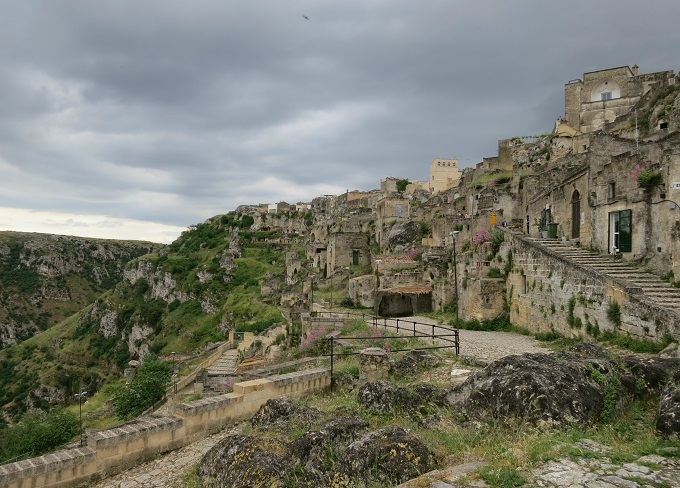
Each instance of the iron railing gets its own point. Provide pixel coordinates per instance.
(451, 337)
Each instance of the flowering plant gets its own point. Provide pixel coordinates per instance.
(645, 175)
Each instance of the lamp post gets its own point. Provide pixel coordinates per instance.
(80, 396)
(377, 286)
(174, 374)
(455, 270)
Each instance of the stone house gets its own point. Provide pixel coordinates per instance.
(444, 174)
(605, 94)
(347, 249)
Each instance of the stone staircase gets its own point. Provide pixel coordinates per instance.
(655, 289)
(221, 369)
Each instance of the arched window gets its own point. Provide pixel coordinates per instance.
(606, 90)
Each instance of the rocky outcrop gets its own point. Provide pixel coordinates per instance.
(385, 397)
(414, 362)
(339, 452)
(668, 413)
(47, 278)
(579, 386)
(404, 236)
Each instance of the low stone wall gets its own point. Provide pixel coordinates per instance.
(115, 450)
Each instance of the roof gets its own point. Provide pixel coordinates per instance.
(411, 289)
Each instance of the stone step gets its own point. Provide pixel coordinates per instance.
(226, 365)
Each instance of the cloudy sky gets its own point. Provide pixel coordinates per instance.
(137, 118)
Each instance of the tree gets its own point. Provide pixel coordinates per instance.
(147, 387)
(402, 184)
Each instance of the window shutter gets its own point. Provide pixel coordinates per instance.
(626, 231)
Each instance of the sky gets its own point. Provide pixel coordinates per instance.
(134, 119)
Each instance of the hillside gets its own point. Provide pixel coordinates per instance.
(46, 278)
(179, 298)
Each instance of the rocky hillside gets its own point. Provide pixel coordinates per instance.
(178, 298)
(45, 278)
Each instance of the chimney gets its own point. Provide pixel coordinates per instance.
(635, 69)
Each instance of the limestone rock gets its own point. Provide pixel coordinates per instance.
(576, 386)
(280, 412)
(404, 236)
(384, 397)
(244, 460)
(414, 362)
(668, 413)
(534, 387)
(391, 455)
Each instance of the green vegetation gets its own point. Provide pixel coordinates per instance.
(37, 434)
(402, 184)
(614, 313)
(147, 387)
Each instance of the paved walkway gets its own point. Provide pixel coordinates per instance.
(484, 347)
(166, 471)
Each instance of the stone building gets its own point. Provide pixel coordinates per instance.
(347, 249)
(605, 94)
(444, 174)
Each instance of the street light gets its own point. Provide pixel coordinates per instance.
(377, 286)
(80, 396)
(174, 374)
(453, 234)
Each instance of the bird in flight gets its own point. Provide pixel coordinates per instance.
(306, 18)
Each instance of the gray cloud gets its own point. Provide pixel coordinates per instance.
(173, 111)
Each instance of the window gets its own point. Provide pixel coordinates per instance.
(663, 125)
(355, 257)
(611, 190)
(606, 95)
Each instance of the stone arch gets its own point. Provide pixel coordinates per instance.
(600, 91)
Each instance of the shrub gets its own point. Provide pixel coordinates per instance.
(614, 313)
(147, 387)
(495, 273)
(38, 433)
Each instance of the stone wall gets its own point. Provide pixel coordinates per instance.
(115, 450)
(482, 298)
(547, 292)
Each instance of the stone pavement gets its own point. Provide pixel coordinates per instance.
(167, 470)
(594, 470)
(479, 346)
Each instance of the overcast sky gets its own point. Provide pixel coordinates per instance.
(137, 118)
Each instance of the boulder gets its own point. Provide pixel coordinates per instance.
(244, 460)
(282, 412)
(537, 388)
(384, 397)
(668, 412)
(581, 385)
(390, 456)
(413, 363)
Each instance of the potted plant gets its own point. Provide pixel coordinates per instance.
(539, 227)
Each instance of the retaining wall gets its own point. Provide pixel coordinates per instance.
(547, 292)
(115, 450)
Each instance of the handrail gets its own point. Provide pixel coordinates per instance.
(452, 343)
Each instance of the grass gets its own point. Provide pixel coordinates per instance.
(511, 449)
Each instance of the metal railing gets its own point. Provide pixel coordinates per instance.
(407, 328)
